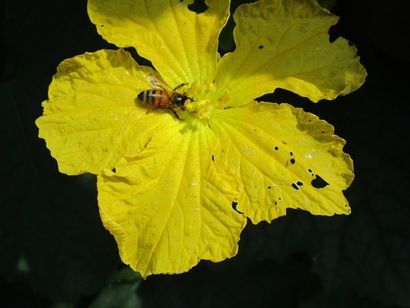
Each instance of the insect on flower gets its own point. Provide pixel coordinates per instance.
(160, 97)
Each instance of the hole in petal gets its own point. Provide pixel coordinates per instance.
(318, 182)
(199, 6)
(234, 205)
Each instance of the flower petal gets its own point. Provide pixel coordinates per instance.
(171, 205)
(285, 44)
(92, 117)
(181, 44)
(286, 158)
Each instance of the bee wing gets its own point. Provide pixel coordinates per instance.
(156, 83)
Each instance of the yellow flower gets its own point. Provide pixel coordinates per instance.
(175, 191)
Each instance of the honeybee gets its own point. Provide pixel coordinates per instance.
(160, 97)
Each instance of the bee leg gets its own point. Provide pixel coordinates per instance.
(175, 113)
(181, 85)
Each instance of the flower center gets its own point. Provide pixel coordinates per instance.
(206, 97)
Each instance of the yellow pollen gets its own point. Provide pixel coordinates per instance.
(205, 98)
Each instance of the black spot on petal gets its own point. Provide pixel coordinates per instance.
(318, 182)
(213, 157)
(260, 46)
(299, 183)
(292, 161)
(276, 148)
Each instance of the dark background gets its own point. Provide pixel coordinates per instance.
(54, 251)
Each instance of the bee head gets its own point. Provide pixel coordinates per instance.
(179, 99)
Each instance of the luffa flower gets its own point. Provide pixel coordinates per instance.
(175, 191)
